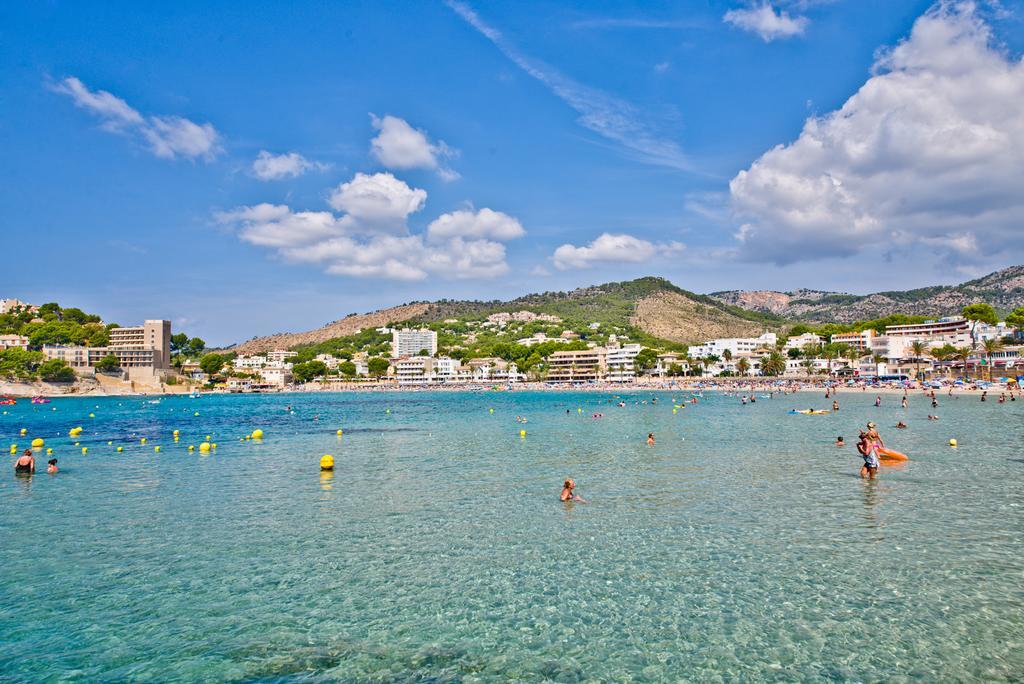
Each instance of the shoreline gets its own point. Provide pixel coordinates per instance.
(29, 390)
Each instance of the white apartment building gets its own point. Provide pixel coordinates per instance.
(802, 341)
(280, 355)
(953, 325)
(861, 341)
(410, 342)
(737, 346)
(620, 363)
(414, 370)
(798, 367)
(13, 342)
(253, 362)
(669, 359)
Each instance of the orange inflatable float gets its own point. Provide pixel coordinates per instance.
(890, 455)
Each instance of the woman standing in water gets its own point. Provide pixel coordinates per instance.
(567, 494)
(26, 465)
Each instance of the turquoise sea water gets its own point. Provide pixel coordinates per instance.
(741, 546)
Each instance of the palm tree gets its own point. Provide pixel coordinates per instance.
(773, 364)
(829, 353)
(991, 346)
(940, 354)
(808, 365)
(710, 360)
(727, 355)
(963, 354)
(878, 359)
(918, 348)
(742, 366)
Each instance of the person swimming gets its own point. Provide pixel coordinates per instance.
(51, 465)
(650, 439)
(840, 441)
(26, 464)
(567, 491)
(901, 425)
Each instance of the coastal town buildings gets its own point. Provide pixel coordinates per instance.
(13, 342)
(280, 355)
(588, 365)
(143, 351)
(736, 346)
(803, 341)
(860, 340)
(9, 305)
(410, 342)
(620, 363)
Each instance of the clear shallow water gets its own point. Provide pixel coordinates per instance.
(743, 545)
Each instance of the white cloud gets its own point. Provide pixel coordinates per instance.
(168, 137)
(400, 146)
(268, 167)
(766, 21)
(377, 204)
(372, 239)
(612, 248)
(485, 223)
(609, 117)
(929, 152)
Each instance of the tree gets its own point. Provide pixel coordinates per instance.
(979, 312)
(179, 342)
(829, 353)
(808, 364)
(879, 360)
(645, 361)
(55, 370)
(918, 348)
(727, 355)
(773, 364)
(710, 360)
(962, 354)
(377, 366)
(347, 368)
(942, 354)
(19, 364)
(991, 346)
(1016, 319)
(196, 345)
(742, 366)
(108, 363)
(304, 372)
(211, 363)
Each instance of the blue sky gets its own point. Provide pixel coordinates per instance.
(244, 170)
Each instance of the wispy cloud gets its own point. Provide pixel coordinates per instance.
(168, 137)
(604, 114)
(634, 23)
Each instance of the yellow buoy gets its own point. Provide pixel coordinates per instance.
(207, 438)
(257, 434)
(176, 440)
(143, 440)
(14, 448)
(49, 451)
(156, 449)
(38, 443)
(213, 446)
(522, 433)
(110, 444)
(120, 449)
(191, 447)
(491, 410)
(579, 410)
(92, 415)
(196, 413)
(78, 443)
(85, 450)
(952, 443)
(326, 462)
(675, 410)
(175, 433)
(339, 433)
(204, 447)
(23, 432)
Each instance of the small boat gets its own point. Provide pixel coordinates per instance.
(40, 400)
(8, 401)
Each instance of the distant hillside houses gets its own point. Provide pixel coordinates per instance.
(907, 350)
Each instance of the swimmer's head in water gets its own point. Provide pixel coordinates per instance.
(52, 461)
(569, 484)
